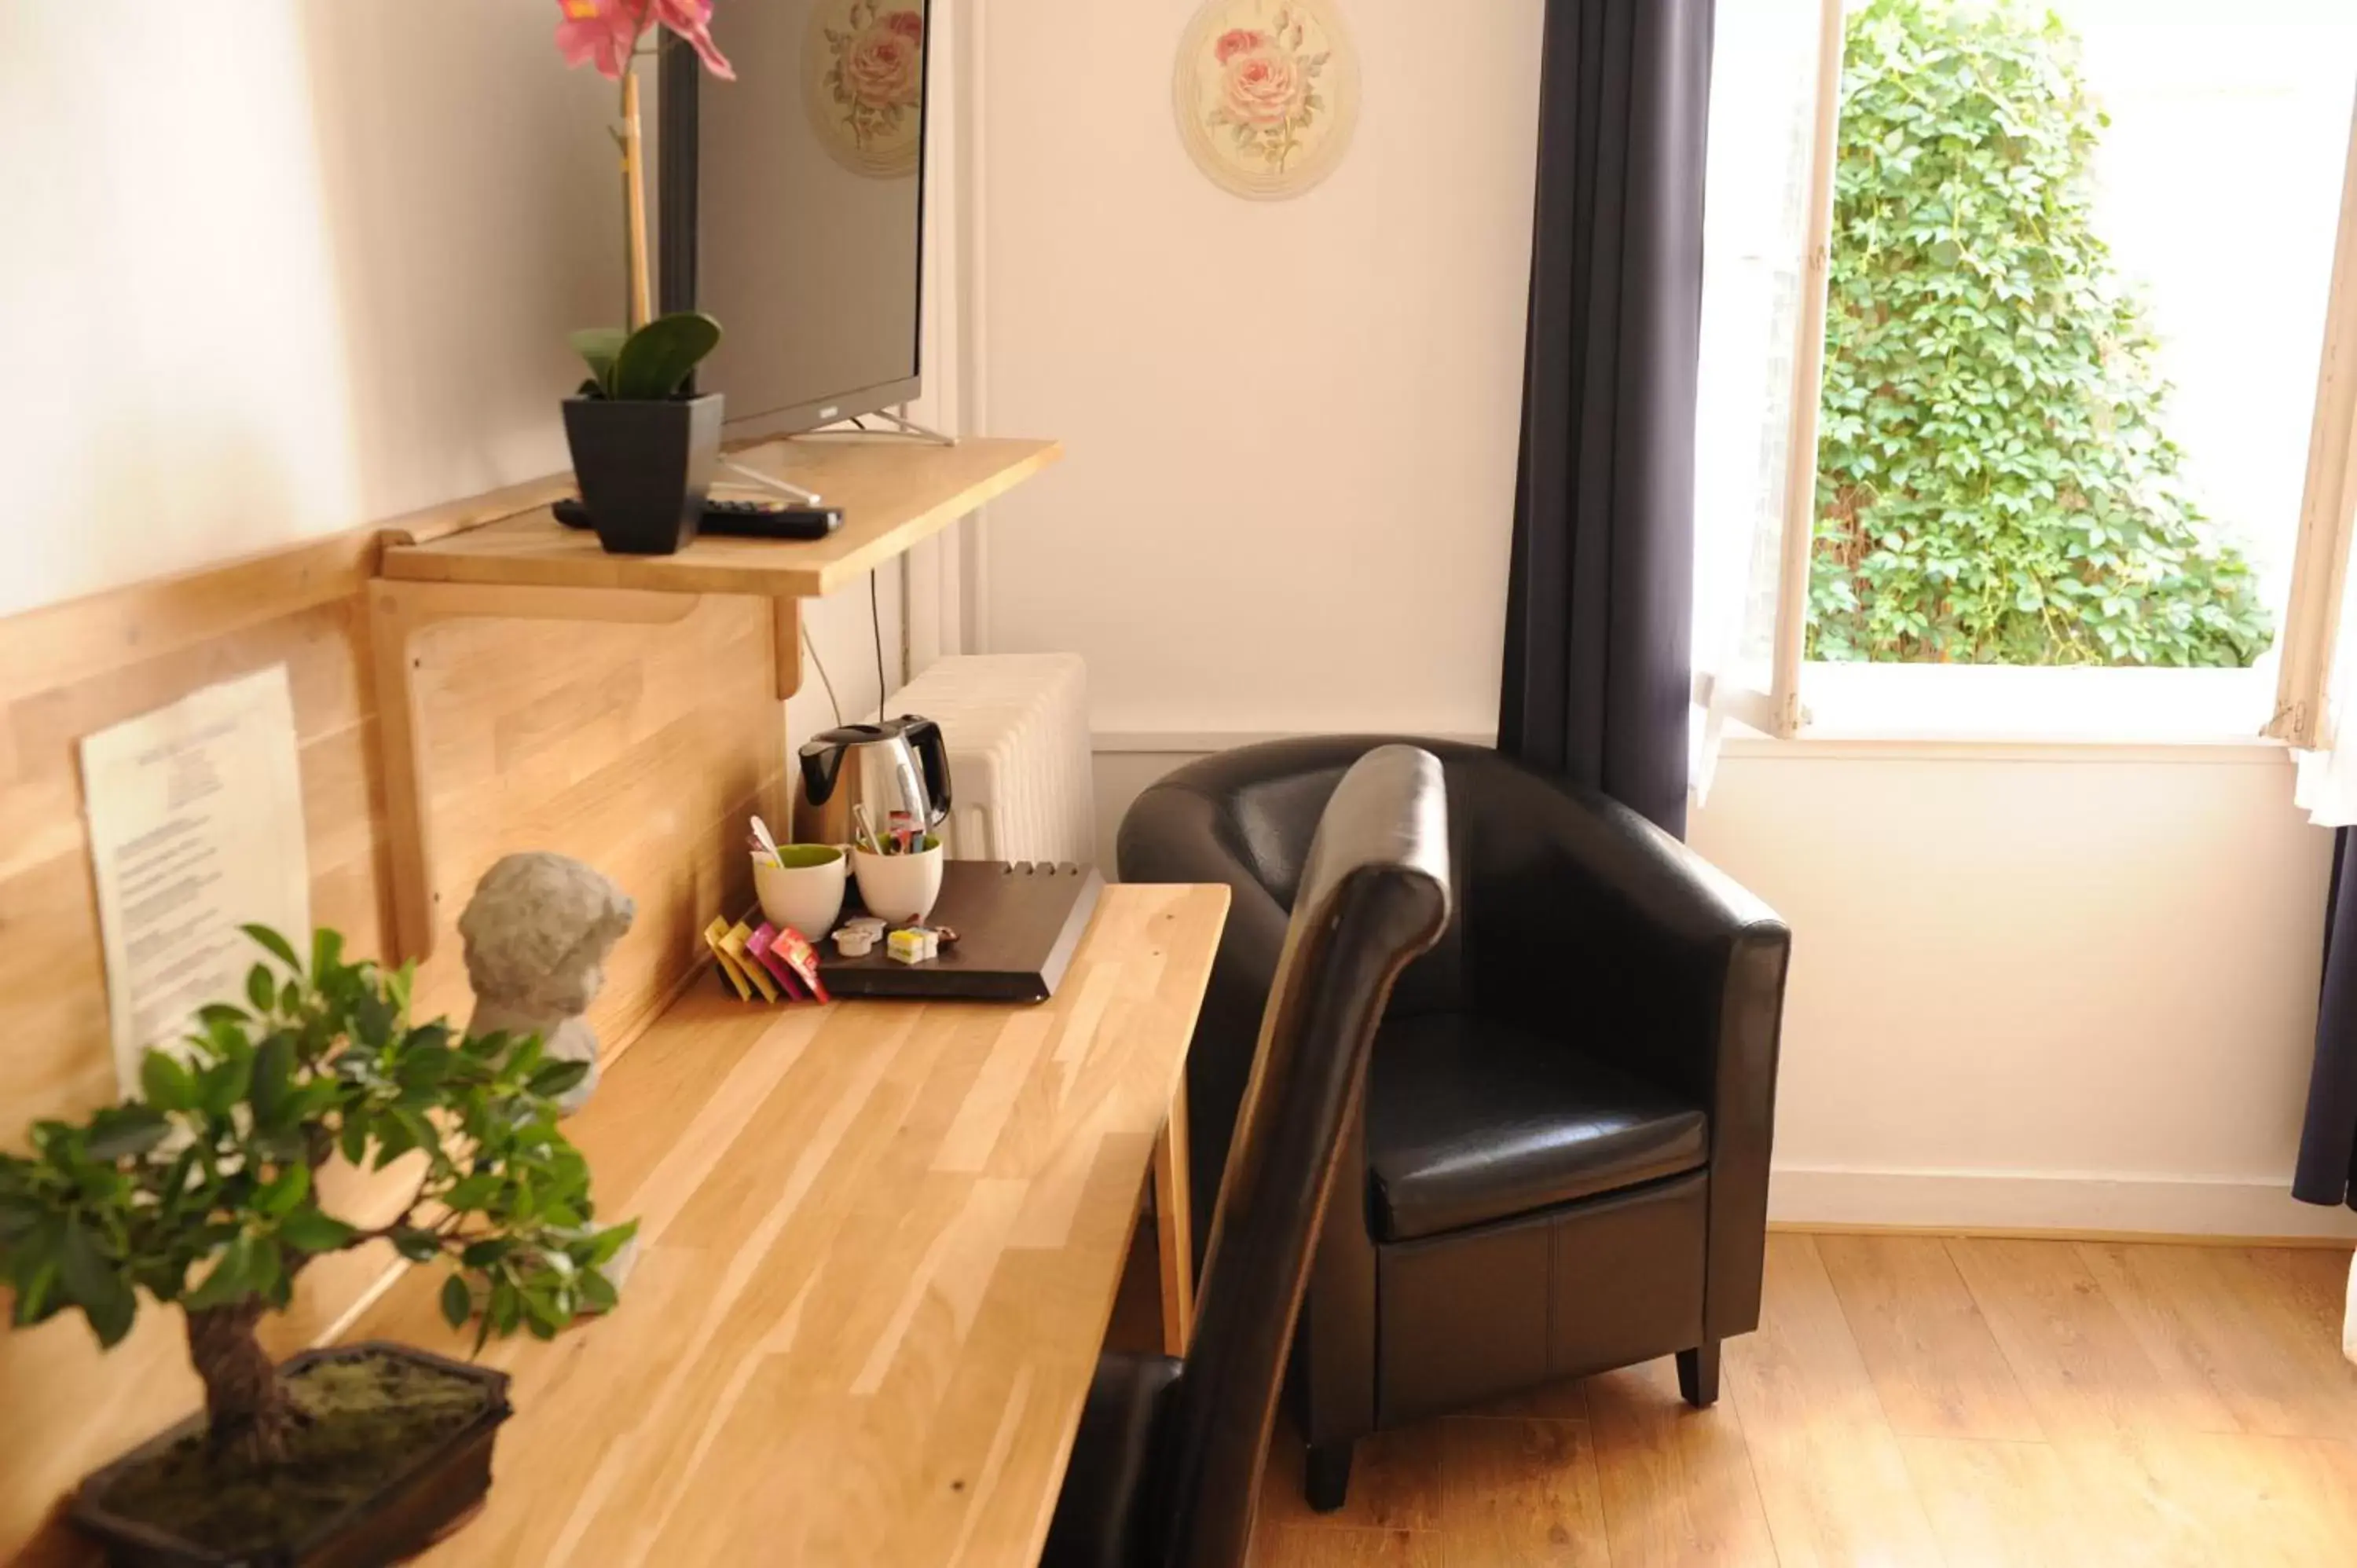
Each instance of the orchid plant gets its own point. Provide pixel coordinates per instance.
(607, 34)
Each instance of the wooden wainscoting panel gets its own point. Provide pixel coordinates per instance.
(52, 983)
(638, 749)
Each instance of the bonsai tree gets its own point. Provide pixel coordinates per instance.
(203, 1190)
(1994, 484)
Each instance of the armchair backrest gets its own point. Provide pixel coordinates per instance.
(1373, 894)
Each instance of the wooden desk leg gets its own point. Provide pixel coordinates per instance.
(1174, 1229)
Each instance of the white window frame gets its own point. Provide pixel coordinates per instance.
(2053, 703)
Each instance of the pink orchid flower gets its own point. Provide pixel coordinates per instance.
(605, 32)
(602, 32)
(692, 20)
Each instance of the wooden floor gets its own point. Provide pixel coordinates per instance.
(1909, 1400)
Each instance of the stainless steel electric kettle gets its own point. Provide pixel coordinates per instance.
(899, 765)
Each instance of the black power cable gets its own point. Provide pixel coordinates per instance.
(875, 625)
(875, 617)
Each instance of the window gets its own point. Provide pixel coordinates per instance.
(2011, 328)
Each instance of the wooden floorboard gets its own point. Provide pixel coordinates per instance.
(1907, 1400)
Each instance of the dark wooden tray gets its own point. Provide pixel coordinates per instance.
(1016, 925)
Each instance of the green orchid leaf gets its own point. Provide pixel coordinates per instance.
(600, 347)
(657, 359)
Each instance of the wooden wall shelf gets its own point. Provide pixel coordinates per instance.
(894, 493)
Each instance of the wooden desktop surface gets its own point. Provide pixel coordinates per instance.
(894, 493)
(881, 1242)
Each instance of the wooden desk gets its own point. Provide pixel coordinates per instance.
(881, 1245)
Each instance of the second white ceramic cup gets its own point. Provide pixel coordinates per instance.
(899, 887)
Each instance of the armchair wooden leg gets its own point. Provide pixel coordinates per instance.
(1698, 1374)
(1326, 1477)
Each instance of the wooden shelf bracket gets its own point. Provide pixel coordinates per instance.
(398, 611)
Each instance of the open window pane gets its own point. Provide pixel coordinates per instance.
(2080, 260)
(1763, 113)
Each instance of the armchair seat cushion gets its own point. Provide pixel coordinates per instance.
(1471, 1119)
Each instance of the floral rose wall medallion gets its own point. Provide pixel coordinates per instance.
(862, 79)
(1267, 94)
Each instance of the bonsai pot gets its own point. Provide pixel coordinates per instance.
(644, 467)
(355, 1495)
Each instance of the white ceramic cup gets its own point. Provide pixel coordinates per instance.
(899, 887)
(807, 893)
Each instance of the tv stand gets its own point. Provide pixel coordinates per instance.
(897, 425)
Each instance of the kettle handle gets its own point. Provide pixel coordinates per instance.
(821, 763)
(925, 736)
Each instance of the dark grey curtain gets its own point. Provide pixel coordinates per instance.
(1599, 640)
(2328, 1143)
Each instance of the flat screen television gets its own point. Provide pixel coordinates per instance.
(792, 204)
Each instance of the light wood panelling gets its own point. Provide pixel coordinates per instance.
(638, 749)
(858, 1332)
(1801, 1464)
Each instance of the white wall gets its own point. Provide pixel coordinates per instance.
(296, 274)
(1291, 425)
(285, 276)
(2036, 987)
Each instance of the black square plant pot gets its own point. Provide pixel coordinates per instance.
(411, 1510)
(644, 469)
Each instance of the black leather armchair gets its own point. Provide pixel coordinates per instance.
(1562, 1164)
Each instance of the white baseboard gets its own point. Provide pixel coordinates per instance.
(1934, 1200)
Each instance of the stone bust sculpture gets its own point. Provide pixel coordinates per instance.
(536, 933)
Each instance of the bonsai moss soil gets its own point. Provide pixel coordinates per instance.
(373, 1420)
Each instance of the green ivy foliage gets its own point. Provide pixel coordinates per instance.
(202, 1189)
(1994, 485)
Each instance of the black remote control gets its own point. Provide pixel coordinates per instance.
(769, 520)
(738, 519)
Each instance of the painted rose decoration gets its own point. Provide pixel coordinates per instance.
(864, 76)
(1267, 94)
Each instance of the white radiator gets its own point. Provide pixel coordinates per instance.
(1016, 726)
